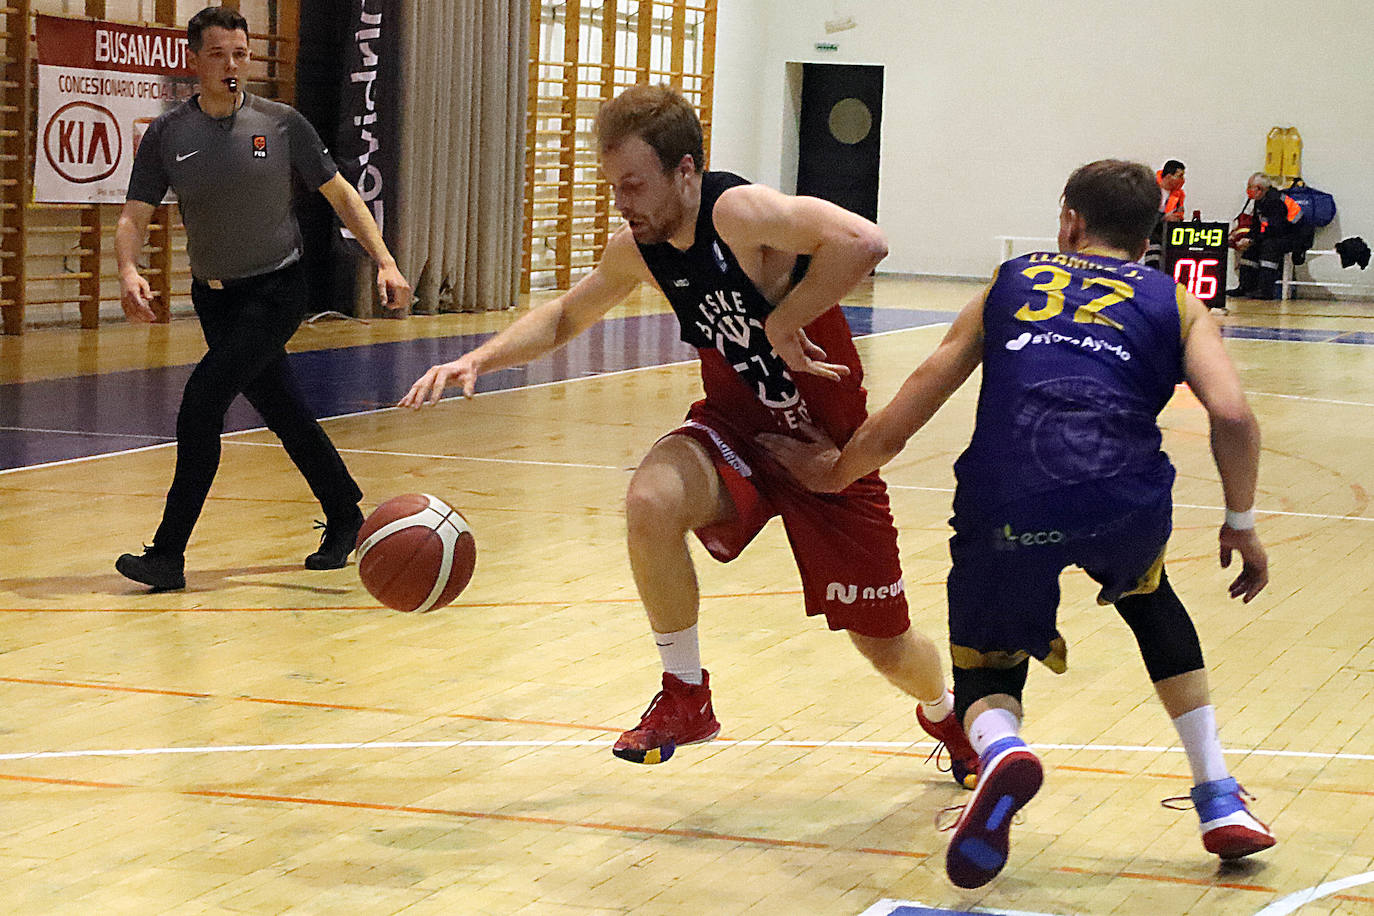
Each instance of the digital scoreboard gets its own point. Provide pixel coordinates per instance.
(1195, 254)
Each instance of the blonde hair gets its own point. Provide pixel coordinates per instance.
(658, 115)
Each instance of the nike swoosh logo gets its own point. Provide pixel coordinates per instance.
(182, 157)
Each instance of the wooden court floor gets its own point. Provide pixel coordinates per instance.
(270, 740)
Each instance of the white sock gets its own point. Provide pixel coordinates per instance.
(992, 726)
(939, 710)
(1197, 729)
(681, 654)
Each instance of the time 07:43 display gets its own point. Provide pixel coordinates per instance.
(1186, 236)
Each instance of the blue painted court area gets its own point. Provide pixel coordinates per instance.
(66, 418)
(61, 419)
(911, 908)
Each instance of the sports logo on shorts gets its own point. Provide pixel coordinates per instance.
(259, 146)
(847, 593)
(1010, 539)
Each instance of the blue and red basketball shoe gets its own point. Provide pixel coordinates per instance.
(680, 714)
(1010, 777)
(1229, 829)
(963, 759)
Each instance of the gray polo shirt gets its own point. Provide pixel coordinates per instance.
(232, 177)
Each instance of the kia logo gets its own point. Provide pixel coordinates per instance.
(83, 142)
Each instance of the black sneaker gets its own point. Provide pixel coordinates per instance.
(336, 544)
(163, 571)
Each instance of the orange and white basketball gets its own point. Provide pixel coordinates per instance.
(416, 553)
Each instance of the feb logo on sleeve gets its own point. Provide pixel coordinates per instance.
(259, 146)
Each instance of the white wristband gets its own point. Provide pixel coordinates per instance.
(1240, 521)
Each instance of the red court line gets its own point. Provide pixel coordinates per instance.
(1065, 766)
(1353, 897)
(441, 715)
(303, 703)
(628, 599)
(304, 800)
(1168, 879)
(113, 687)
(53, 781)
(1343, 791)
(183, 610)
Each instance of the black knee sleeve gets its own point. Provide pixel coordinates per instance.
(1163, 630)
(972, 684)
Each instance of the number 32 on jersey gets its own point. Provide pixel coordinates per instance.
(1054, 280)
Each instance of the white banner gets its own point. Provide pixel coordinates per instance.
(100, 84)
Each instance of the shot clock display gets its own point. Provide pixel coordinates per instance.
(1196, 255)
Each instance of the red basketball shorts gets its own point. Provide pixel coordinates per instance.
(844, 544)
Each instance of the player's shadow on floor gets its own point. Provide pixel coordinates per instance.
(198, 579)
(1247, 867)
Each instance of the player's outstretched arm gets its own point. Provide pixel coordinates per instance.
(1235, 438)
(844, 249)
(542, 329)
(818, 465)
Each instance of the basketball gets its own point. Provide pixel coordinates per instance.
(416, 553)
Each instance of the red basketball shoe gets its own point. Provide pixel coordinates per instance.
(680, 714)
(963, 759)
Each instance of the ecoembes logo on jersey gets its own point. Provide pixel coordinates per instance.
(82, 142)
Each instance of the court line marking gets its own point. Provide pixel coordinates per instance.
(1303, 397)
(878, 746)
(890, 486)
(78, 432)
(1167, 879)
(1258, 510)
(602, 743)
(687, 833)
(537, 385)
(1303, 897)
(634, 829)
(342, 416)
(389, 454)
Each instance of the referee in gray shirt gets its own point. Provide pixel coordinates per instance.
(230, 157)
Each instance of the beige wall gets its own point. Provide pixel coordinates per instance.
(989, 105)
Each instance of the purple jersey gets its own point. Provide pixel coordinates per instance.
(1080, 354)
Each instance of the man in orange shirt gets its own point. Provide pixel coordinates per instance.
(1171, 195)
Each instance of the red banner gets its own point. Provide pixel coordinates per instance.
(88, 44)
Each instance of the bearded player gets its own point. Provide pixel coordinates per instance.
(753, 276)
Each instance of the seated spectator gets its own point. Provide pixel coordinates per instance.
(1273, 232)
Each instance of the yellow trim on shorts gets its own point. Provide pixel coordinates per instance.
(1146, 584)
(1057, 660)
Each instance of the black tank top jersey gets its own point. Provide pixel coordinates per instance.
(721, 312)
